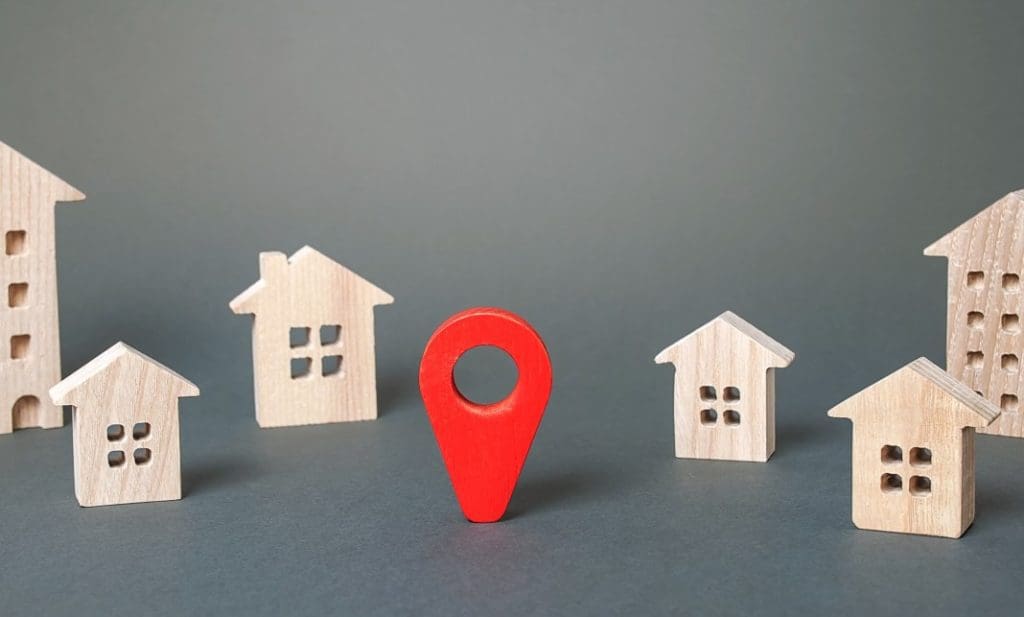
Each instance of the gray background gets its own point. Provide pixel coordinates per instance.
(616, 172)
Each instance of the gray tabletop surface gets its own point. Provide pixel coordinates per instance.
(616, 172)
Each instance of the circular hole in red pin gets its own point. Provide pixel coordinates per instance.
(485, 374)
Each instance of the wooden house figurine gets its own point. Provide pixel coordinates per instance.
(725, 390)
(313, 340)
(126, 444)
(913, 451)
(984, 338)
(29, 332)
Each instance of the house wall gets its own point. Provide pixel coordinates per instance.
(985, 322)
(878, 504)
(97, 483)
(29, 332)
(313, 399)
(718, 358)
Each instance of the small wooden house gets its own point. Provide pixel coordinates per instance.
(913, 451)
(984, 338)
(313, 340)
(725, 390)
(29, 329)
(126, 444)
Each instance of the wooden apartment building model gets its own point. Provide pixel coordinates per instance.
(984, 341)
(29, 330)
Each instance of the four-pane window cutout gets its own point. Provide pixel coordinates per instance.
(709, 394)
(140, 456)
(15, 242)
(306, 341)
(975, 279)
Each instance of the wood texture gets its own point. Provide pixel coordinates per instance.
(984, 338)
(484, 446)
(29, 330)
(913, 451)
(725, 390)
(313, 340)
(126, 444)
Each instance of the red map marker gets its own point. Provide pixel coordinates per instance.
(484, 446)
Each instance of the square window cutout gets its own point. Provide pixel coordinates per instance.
(975, 320)
(731, 394)
(115, 432)
(708, 393)
(17, 295)
(920, 486)
(1010, 323)
(330, 366)
(115, 458)
(1010, 362)
(975, 360)
(330, 335)
(708, 417)
(142, 456)
(975, 279)
(1009, 402)
(15, 241)
(19, 346)
(892, 454)
(298, 337)
(1011, 283)
(891, 483)
(301, 367)
(140, 431)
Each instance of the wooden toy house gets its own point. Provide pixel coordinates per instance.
(30, 359)
(725, 390)
(913, 451)
(984, 342)
(126, 444)
(313, 340)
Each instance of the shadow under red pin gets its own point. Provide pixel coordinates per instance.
(484, 446)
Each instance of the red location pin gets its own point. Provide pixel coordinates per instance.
(484, 446)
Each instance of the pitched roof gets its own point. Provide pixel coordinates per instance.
(782, 354)
(306, 257)
(101, 363)
(18, 164)
(981, 410)
(941, 247)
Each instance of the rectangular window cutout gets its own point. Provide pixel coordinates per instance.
(892, 454)
(708, 417)
(920, 457)
(298, 337)
(17, 295)
(976, 320)
(15, 242)
(920, 486)
(892, 483)
(330, 366)
(975, 279)
(19, 346)
(300, 367)
(330, 335)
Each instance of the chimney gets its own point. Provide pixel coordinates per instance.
(272, 266)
